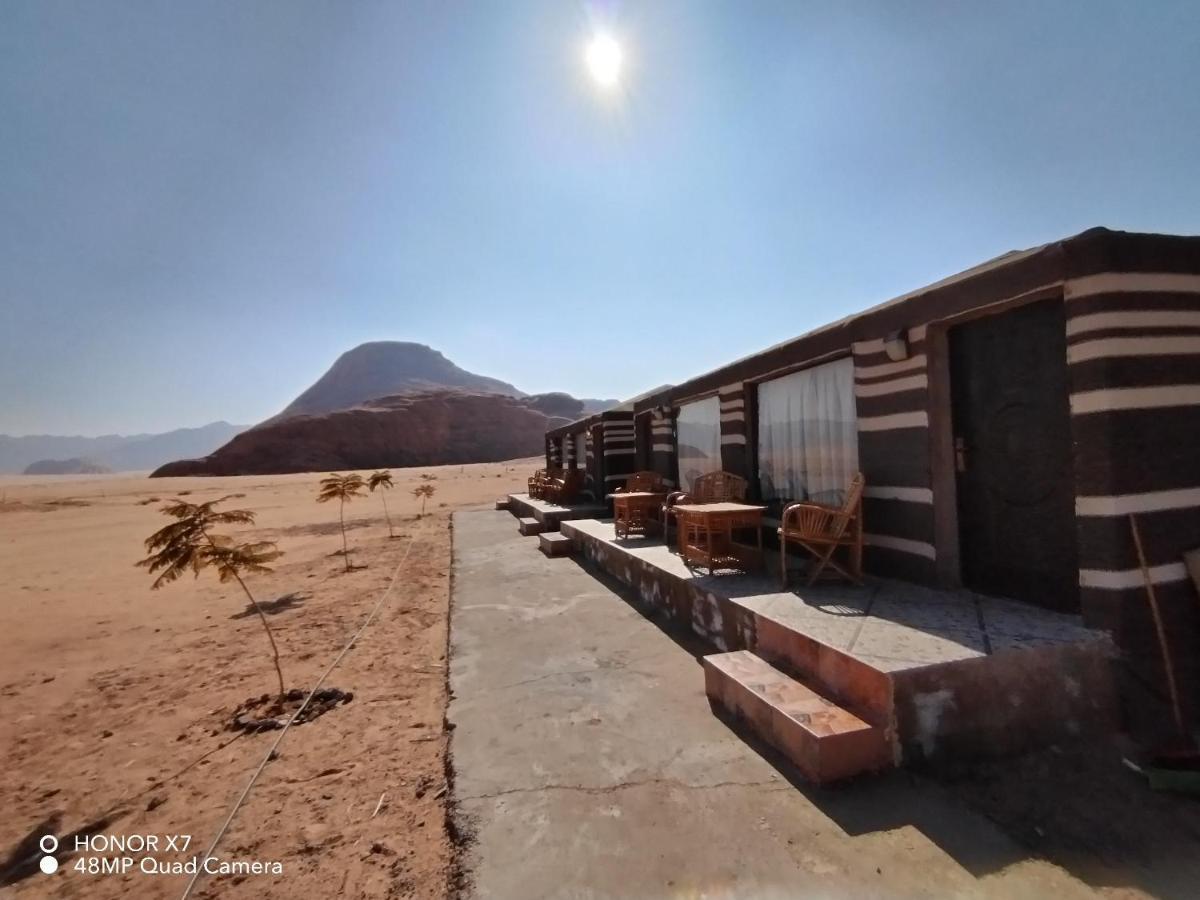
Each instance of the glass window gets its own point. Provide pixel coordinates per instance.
(808, 434)
(698, 437)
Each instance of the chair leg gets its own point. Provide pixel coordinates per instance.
(823, 560)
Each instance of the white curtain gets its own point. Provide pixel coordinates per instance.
(581, 450)
(698, 438)
(808, 434)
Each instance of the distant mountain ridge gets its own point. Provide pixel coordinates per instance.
(120, 453)
(74, 466)
(418, 428)
(392, 368)
(383, 369)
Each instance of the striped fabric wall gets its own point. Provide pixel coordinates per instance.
(618, 447)
(735, 443)
(568, 444)
(1133, 353)
(894, 456)
(662, 445)
(554, 453)
(589, 464)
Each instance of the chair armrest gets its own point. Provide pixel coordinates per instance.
(796, 507)
(809, 518)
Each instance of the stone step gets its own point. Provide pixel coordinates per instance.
(823, 740)
(529, 526)
(843, 678)
(503, 503)
(554, 543)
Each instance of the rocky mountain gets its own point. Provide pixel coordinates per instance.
(594, 406)
(115, 452)
(75, 466)
(387, 368)
(439, 427)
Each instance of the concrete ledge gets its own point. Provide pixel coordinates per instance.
(502, 503)
(529, 526)
(549, 515)
(946, 674)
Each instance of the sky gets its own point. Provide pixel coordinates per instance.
(203, 204)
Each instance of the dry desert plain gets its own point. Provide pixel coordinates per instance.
(110, 689)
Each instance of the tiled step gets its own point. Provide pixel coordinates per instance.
(554, 544)
(529, 526)
(823, 740)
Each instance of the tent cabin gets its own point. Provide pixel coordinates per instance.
(604, 445)
(1007, 419)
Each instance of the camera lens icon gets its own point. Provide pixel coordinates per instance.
(48, 864)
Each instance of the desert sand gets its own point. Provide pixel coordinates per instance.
(110, 689)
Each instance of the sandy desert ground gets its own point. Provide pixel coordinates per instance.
(110, 689)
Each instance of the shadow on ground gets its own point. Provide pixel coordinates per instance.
(274, 607)
(1076, 806)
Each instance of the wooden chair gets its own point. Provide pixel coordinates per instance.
(714, 487)
(563, 486)
(822, 529)
(535, 483)
(651, 482)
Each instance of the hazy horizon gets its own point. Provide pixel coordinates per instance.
(204, 205)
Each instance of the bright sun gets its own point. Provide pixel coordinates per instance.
(604, 60)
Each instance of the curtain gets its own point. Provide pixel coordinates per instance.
(698, 438)
(581, 450)
(808, 434)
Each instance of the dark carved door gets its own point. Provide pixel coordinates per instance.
(1012, 433)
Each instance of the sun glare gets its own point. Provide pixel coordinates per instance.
(604, 60)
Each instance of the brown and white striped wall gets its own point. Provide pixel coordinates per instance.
(662, 444)
(735, 442)
(617, 446)
(1133, 353)
(893, 404)
(589, 464)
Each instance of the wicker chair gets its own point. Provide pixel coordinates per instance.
(822, 529)
(537, 482)
(650, 482)
(562, 486)
(714, 487)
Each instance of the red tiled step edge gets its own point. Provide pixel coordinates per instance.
(823, 740)
(529, 526)
(554, 544)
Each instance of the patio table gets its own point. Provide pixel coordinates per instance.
(633, 512)
(706, 535)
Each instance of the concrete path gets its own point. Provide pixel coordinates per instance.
(588, 763)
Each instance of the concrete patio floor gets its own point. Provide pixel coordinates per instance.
(891, 625)
(588, 763)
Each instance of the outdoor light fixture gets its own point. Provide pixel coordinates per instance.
(895, 345)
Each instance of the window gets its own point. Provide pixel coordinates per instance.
(808, 434)
(698, 436)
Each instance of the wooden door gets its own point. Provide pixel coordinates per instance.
(1012, 438)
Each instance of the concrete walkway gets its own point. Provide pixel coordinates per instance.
(588, 763)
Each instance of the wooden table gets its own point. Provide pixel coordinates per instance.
(706, 535)
(633, 512)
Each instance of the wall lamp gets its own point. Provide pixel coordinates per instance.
(895, 345)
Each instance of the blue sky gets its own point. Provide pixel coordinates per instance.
(203, 204)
